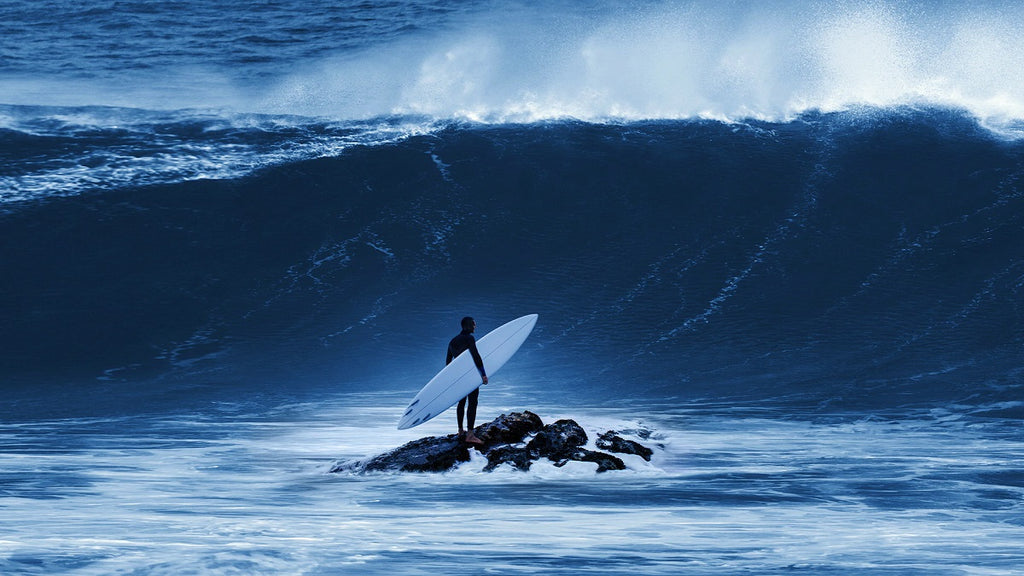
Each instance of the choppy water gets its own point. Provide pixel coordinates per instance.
(728, 491)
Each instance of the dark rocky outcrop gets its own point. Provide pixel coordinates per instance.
(432, 454)
(612, 442)
(517, 439)
(563, 441)
(605, 462)
(517, 456)
(509, 429)
(558, 441)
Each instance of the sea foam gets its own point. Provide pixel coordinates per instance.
(494, 62)
(693, 60)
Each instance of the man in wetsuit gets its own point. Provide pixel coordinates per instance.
(465, 341)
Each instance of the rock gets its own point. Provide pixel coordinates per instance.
(614, 443)
(432, 454)
(499, 436)
(509, 429)
(605, 462)
(505, 442)
(558, 441)
(519, 457)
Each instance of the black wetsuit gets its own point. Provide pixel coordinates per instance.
(465, 341)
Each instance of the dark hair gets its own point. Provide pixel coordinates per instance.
(467, 323)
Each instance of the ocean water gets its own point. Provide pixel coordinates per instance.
(785, 237)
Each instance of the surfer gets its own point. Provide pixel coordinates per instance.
(465, 341)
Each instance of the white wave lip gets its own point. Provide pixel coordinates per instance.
(670, 60)
(760, 60)
(722, 61)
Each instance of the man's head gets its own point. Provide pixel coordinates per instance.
(468, 323)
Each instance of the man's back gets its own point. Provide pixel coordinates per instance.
(462, 342)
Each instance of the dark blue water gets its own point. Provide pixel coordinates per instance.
(235, 239)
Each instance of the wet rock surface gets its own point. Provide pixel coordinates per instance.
(509, 428)
(518, 439)
(558, 441)
(435, 454)
(518, 457)
(612, 442)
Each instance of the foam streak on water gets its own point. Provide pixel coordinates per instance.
(938, 494)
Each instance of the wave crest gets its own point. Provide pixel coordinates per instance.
(759, 61)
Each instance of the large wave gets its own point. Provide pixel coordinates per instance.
(785, 200)
(834, 259)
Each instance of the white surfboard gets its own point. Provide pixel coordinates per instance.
(461, 377)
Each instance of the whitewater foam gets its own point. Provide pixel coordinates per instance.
(668, 60)
(673, 61)
(241, 492)
(111, 148)
(607, 64)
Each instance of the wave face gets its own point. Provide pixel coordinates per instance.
(837, 260)
(799, 201)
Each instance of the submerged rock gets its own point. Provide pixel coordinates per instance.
(518, 439)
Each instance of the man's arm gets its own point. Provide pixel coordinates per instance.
(477, 359)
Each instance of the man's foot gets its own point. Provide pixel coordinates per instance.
(471, 438)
